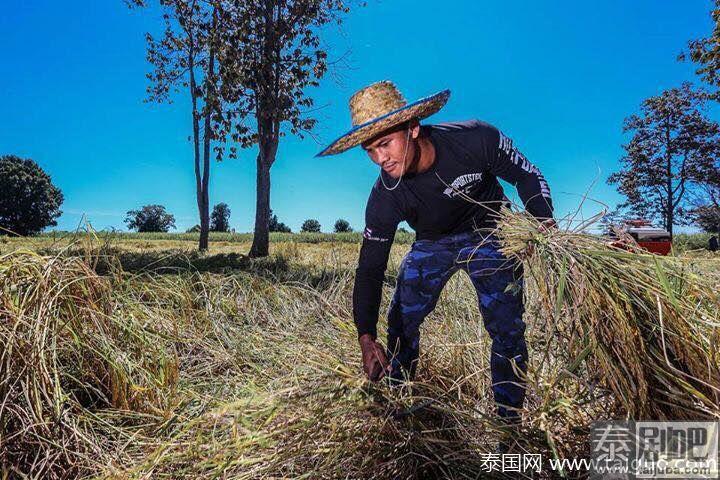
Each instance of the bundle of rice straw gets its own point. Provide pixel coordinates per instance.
(63, 353)
(649, 325)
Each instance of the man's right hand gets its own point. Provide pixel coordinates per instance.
(375, 362)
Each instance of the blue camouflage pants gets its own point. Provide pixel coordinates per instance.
(498, 283)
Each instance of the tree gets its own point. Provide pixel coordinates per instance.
(707, 217)
(672, 146)
(310, 225)
(29, 201)
(194, 229)
(706, 52)
(150, 218)
(274, 225)
(220, 218)
(705, 211)
(273, 55)
(342, 225)
(185, 57)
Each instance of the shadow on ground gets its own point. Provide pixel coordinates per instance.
(109, 259)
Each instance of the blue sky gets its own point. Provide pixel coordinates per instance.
(558, 77)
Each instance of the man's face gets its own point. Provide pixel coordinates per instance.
(388, 149)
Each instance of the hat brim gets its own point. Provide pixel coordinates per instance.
(420, 109)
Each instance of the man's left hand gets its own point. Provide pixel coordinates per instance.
(545, 227)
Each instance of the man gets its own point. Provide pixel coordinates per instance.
(443, 180)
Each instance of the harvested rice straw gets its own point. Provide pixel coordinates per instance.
(650, 323)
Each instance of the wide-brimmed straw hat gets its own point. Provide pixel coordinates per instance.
(381, 106)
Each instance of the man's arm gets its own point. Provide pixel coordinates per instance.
(381, 219)
(505, 161)
(369, 275)
(367, 296)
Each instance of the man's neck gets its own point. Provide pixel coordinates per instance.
(424, 156)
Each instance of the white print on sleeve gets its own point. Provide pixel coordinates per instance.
(505, 144)
(367, 233)
(519, 159)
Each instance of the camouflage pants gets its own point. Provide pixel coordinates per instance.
(422, 276)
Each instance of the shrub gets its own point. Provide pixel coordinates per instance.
(342, 226)
(310, 225)
(151, 218)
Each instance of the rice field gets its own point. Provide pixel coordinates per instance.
(134, 357)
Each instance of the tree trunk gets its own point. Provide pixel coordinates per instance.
(261, 238)
(204, 200)
(202, 207)
(265, 159)
(267, 114)
(670, 211)
(204, 223)
(670, 206)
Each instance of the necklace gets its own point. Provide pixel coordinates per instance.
(407, 142)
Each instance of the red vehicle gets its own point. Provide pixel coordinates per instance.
(653, 239)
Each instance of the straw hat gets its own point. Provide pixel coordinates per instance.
(381, 106)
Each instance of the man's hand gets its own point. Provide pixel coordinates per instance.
(544, 227)
(375, 362)
(547, 225)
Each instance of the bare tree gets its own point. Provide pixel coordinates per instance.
(184, 58)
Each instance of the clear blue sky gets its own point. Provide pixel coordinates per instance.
(558, 77)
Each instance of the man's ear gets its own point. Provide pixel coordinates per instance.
(414, 126)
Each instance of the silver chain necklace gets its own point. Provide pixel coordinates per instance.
(407, 142)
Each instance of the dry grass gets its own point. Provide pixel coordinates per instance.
(67, 353)
(172, 365)
(649, 325)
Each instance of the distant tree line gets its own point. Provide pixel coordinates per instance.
(154, 218)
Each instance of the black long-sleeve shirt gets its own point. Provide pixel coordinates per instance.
(469, 158)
